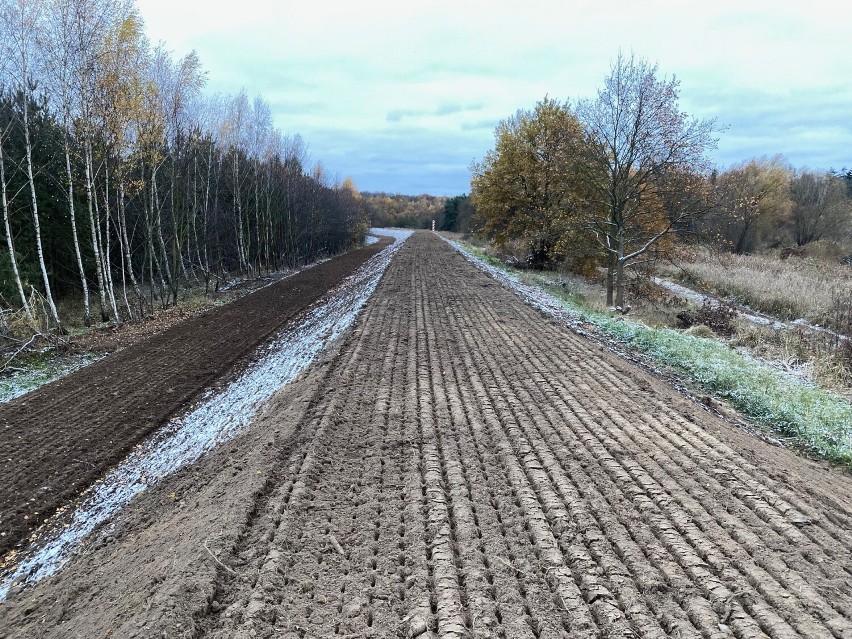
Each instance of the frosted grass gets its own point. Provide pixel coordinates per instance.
(22, 382)
(218, 417)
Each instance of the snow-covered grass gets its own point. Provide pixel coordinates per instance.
(814, 419)
(35, 375)
(217, 417)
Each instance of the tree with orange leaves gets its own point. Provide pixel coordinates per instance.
(524, 190)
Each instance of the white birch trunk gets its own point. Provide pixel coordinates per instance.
(158, 223)
(87, 319)
(10, 241)
(122, 223)
(36, 221)
(257, 211)
(238, 210)
(106, 253)
(195, 209)
(207, 210)
(93, 223)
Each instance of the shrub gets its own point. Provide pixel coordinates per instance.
(700, 330)
(717, 317)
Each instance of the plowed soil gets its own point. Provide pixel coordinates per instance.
(463, 467)
(60, 438)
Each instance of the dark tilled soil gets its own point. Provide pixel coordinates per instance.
(464, 467)
(60, 438)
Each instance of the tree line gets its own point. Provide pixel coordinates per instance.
(419, 211)
(766, 203)
(121, 180)
(404, 211)
(614, 181)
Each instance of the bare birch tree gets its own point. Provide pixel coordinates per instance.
(10, 241)
(235, 137)
(638, 139)
(5, 126)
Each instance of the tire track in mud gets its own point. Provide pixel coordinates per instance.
(469, 468)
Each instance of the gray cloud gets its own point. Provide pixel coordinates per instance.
(810, 128)
(442, 110)
(479, 125)
(402, 98)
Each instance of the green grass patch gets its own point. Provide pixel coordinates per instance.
(814, 419)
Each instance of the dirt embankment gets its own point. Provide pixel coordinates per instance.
(60, 438)
(463, 467)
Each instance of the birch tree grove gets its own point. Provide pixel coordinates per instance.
(123, 182)
(19, 19)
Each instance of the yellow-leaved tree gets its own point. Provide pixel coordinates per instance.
(525, 189)
(752, 196)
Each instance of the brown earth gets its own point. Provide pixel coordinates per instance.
(463, 467)
(60, 438)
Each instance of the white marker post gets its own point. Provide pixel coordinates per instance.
(433, 226)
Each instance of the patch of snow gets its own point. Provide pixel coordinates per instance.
(22, 382)
(680, 291)
(218, 417)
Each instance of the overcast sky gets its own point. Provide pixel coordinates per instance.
(403, 96)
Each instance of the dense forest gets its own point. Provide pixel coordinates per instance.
(405, 211)
(122, 180)
(419, 211)
(765, 203)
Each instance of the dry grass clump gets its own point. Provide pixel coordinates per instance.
(717, 317)
(834, 370)
(824, 359)
(786, 289)
(700, 330)
(16, 325)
